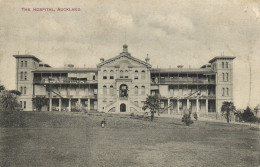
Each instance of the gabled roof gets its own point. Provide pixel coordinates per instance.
(124, 54)
(27, 56)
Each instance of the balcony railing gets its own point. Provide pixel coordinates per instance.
(70, 96)
(61, 81)
(176, 81)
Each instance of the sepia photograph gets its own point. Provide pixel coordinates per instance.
(139, 83)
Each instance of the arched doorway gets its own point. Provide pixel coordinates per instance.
(122, 107)
(123, 91)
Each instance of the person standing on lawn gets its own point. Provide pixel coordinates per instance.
(103, 122)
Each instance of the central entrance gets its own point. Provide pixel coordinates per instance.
(123, 107)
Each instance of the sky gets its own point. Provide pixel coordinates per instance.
(171, 32)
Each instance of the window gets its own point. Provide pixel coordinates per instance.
(143, 75)
(126, 74)
(136, 90)
(105, 74)
(24, 90)
(227, 76)
(223, 76)
(111, 74)
(111, 90)
(104, 90)
(226, 64)
(24, 104)
(227, 92)
(21, 90)
(223, 65)
(121, 74)
(25, 75)
(223, 91)
(136, 74)
(94, 77)
(21, 76)
(143, 90)
(21, 104)
(25, 63)
(21, 63)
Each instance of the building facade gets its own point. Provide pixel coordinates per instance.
(122, 83)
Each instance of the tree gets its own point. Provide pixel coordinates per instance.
(248, 115)
(152, 103)
(2, 87)
(227, 108)
(8, 101)
(40, 101)
(15, 92)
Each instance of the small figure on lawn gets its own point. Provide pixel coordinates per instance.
(103, 122)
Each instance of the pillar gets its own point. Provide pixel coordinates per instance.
(178, 106)
(169, 111)
(59, 104)
(197, 105)
(69, 105)
(88, 104)
(50, 105)
(188, 104)
(79, 101)
(207, 106)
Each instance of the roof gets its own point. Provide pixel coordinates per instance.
(65, 70)
(27, 56)
(222, 57)
(182, 70)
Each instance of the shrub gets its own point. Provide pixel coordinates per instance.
(195, 115)
(187, 119)
(248, 115)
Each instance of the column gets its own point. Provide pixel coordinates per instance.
(79, 101)
(88, 104)
(207, 105)
(69, 105)
(169, 111)
(188, 104)
(178, 106)
(59, 104)
(50, 105)
(197, 105)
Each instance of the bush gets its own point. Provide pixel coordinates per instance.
(195, 115)
(187, 119)
(248, 115)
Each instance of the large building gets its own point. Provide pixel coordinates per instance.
(122, 83)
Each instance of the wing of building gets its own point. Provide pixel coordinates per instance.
(122, 83)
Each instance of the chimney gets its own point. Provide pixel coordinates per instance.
(147, 59)
(102, 60)
(180, 66)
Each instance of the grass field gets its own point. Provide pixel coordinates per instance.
(49, 139)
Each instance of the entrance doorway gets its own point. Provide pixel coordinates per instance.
(122, 107)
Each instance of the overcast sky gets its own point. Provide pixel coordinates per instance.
(172, 32)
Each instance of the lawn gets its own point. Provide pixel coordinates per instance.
(52, 139)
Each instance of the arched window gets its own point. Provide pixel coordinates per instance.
(227, 77)
(21, 76)
(227, 92)
(223, 76)
(21, 90)
(25, 75)
(21, 63)
(223, 91)
(223, 65)
(25, 63)
(24, 90)
(111, 74)
(136, 90)
(143, 75)
(123, 91)
(136, 74)
(104, 90)
(105, 74)
(111, 90)
(121, 74)
(226, 64)
(143, 90)
(126, 74)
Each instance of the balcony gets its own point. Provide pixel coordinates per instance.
(62, 81)
(182, 82)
